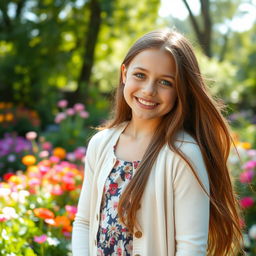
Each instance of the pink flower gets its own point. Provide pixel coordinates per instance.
(246, 202)
(57, 191)
(62, 103)
(70, 112)
(60, 117)
(3, 218)
(47, 145)
(80, 153)
(40, 239)
(44, 169)
(43, 154)
(84, 114)
(246, 176)
(54, 159)
(78, 107)
(34, 182)
(71, 209)
(250, 165)
(31, 135)
(67, 234)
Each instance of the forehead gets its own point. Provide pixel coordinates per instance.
(154, 60)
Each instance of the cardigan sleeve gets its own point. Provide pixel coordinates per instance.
(80, 233)
(191, 204)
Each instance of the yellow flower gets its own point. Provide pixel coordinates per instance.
(28, 160)
(244, 145)
(1, 118)
(15, 179)
(59, 152)
(33, 168)
(9, 117)
(2, 105)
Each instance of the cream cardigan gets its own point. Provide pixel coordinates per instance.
(174, 213)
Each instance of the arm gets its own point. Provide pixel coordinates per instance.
(80, 234)
(191, 204)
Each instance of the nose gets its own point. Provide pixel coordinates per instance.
(149, 89)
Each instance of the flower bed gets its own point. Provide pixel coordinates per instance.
(243, 167)
(39, 205)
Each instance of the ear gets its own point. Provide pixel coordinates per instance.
(124, 73)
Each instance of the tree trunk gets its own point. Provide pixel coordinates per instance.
(81, 93)
(203, 35)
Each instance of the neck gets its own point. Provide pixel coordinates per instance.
(139, 129)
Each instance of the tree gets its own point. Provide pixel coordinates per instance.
(204, 34)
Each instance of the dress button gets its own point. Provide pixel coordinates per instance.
(137, 255)
(97, 217)
(138, 234)
(95, 242)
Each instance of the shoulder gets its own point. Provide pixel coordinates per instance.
(101, 138)
(187, 145)
(190, 149)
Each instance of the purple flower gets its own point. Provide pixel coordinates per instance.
(11, 158)
(251, 152)
(71, 157)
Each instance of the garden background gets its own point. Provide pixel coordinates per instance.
(59, 64)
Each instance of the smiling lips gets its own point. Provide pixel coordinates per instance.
(146, 104)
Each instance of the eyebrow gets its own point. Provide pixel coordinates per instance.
(170, 76)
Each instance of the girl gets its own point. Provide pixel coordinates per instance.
(156, 179)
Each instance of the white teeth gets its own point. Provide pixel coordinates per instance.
(146, 102)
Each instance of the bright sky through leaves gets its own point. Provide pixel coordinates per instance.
(177, 9)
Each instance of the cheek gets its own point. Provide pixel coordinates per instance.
(127, 93)
(171, 99)
(129, 88)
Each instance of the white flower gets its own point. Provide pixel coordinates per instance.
(31, 135)
(4, 192)
(10, 213)
(4, 235)
(53, 241)
(112, 206)
(252, 232)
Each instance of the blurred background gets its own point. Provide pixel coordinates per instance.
(59, 65)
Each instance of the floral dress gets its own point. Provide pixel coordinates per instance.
(113, 238)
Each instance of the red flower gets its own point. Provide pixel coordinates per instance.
(113, 188)
(43, 213)
(7, 176)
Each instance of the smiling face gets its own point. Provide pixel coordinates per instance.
(150, 84)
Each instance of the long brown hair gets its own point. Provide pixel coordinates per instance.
(199, 114)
